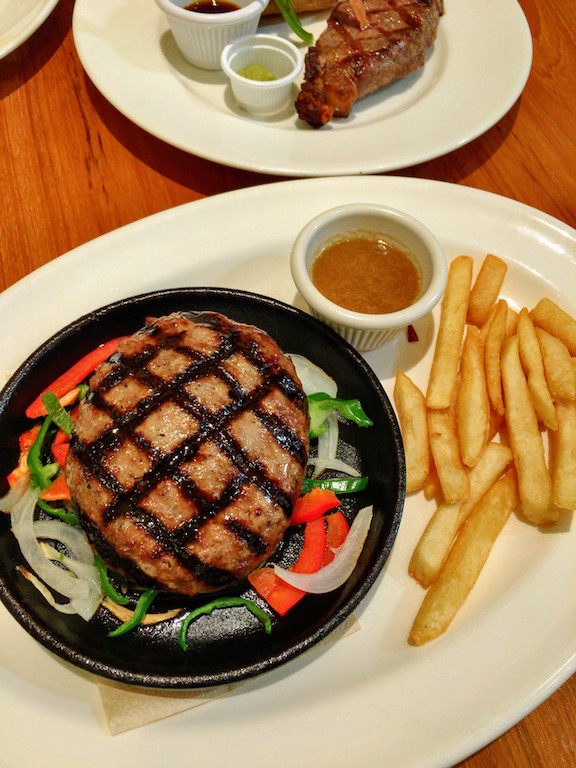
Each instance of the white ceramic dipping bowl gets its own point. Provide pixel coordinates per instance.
(369, 331)
(201, 37)
(278, 56)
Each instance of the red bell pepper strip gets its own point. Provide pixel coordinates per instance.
(59, 452)
(279, 595)
(337, 528)
(61, 437)
(313, 505)
(25, 442)
(57, 490)
(74, 376)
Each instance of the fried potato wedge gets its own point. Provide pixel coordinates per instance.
(558, 366)
(564, 457)
(412, 416)
(445, 449)
(465, 561)
(548, 315)
(534, 481)
(486, 289)
(438, 536)
(533, 365)
(472, 401)
(444, 374)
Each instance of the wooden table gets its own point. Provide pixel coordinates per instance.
(73, 168)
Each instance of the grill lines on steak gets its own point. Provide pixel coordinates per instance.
(348, 62)
(213, 426)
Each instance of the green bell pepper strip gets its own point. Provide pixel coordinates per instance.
(41, 474)
(290, 17)
(144, 602)
(107, 586)
(337, 484)
(57, 413)
(223, 602)
(320, 405)
(59, 512)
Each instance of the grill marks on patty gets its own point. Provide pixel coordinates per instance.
(189, 452)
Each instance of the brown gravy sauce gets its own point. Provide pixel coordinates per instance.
(367, 273)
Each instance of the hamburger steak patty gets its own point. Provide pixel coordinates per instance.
(189, 452)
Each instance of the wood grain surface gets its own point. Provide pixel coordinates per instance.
(73, 168)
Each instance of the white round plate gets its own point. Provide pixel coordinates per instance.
(368, 699)
(474, 74)
(19, 19)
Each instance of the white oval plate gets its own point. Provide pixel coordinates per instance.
(475, 73)
(369, 699)
(19, 19)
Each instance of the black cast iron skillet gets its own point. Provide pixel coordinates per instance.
(230, 644)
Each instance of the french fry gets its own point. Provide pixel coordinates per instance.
(485, 329)
(438, 536)
(465, 561)
(533, 365)
(548, 315)
(534, 481)
(445, 449)
(432, 488)
(558, 366)
(492, 350)
(498, 376)
(564, 461)
(444, 372)
(511, 323)
(486, 289)
(472, 401)
(411, 409)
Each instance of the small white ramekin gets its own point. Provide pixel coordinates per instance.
(369, 331)
(201, 37)
(279, 56)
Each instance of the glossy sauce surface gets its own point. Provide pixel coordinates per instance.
(212, 6)
(367, 273)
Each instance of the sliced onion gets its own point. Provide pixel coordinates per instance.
(45, 592)
(82, 569)
(73, 539)
(15, 493)
(23, 526)
(124, 614)
(327, 445)
(339, 570)
(82, 588)
(312, 377)
(335, 464)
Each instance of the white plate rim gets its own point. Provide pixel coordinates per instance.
(309, 694)
(11, 39)
(461, 93)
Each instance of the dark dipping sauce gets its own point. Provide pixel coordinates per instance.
(367, 273)
(212, 6)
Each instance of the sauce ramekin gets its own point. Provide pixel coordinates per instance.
(276, 54)
(201, 37)
(369, 331)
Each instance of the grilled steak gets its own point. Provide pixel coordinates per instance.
(189, 452)
(349, 62)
